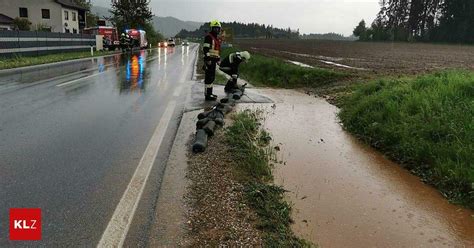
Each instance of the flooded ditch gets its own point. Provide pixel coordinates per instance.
(346, 194)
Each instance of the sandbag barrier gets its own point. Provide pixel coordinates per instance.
(209, 121)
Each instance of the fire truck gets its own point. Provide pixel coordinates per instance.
(138, 37)
(111, 39)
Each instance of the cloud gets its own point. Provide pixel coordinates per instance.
(316, 16)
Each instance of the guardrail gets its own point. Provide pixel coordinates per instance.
(35, 43)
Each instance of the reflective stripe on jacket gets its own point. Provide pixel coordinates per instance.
(214, 47)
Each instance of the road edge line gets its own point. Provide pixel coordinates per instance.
(118, 226)
(79, 79)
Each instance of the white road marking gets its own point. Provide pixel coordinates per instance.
(118, 226)
(79, 79)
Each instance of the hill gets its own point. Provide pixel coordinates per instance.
(244, 30)
(170, 26)
(167, 26)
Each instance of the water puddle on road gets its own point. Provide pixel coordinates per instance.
(345, 194)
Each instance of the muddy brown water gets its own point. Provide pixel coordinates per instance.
(346, 194)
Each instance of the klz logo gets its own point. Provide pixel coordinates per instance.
(25, 224)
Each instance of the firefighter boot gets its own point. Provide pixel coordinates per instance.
(209, 96)
(231, 85)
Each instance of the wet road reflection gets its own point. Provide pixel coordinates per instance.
(135, 70)
(184, 53)
(77, 131)
(70, 70)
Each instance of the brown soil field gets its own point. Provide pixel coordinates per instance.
(373, 57)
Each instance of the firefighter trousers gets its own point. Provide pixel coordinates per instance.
(210, 76)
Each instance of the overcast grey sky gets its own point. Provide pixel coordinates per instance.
(310, 16)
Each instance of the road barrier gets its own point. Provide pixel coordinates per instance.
(209, 121)
(35, 43)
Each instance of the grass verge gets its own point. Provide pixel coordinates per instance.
(425, 122)
(21, 61)
(249, 146)
(275, 72)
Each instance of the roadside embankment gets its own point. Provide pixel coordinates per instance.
(231, 198)
(425, 122)
(22, 61)
(345, 193)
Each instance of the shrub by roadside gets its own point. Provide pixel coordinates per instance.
(425, 122)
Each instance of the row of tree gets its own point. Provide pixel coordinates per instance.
(421, 20)
(327, 36)
(245, 30)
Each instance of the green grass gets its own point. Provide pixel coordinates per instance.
(21, 61)
(275, 72)
(425, 122)
(242, 136)
(249, 145)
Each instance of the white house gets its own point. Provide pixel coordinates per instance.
(6, 23)
(64, 16)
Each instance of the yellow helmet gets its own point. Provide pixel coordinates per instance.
(215, 23)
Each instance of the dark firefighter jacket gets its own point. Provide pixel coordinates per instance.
(230, 64)
(211, 48)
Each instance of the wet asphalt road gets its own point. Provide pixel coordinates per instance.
(72, 135)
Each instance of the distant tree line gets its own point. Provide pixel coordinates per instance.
(245, 30)
(327, 36)
(421, 20)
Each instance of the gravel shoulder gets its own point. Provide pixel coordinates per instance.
(217, 214)
(200, 202)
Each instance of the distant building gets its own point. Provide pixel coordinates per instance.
(63, 16)
(6, 23)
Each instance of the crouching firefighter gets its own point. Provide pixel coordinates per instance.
(230, 65)
(211, 51)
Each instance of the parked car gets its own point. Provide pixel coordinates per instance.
(163, 44)
(171, 42)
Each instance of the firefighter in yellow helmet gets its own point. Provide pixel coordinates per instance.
(212, 55)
